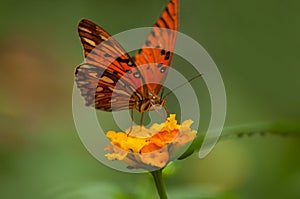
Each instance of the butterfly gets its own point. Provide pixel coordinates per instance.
(111, 80)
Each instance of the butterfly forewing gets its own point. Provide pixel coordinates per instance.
(102, 50)
(156, 54)
(106, 64)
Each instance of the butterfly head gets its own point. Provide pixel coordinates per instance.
(147, 103)
(156, 100)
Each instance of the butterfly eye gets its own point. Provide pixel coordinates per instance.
(163, 69)
(137, 75)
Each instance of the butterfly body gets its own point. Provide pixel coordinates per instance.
(111, 80)
(145, 104)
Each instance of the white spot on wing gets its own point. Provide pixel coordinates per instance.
(93, 74)
(91, 42)
(99, 89)
(107, 79)
(85, 29)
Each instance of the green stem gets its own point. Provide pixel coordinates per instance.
(160, 186)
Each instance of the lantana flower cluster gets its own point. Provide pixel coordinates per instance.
(150, 148)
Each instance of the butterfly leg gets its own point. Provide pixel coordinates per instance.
(131, 115)
(167, 111)
(141, 120)
(132, 120)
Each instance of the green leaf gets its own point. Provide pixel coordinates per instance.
(283, 128)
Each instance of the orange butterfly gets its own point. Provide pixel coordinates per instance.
(111, 80)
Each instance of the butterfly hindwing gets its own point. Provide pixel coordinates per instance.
(100, 90)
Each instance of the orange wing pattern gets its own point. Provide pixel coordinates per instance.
(158, 49)
(107, 64)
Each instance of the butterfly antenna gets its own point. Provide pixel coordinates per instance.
(181, 85)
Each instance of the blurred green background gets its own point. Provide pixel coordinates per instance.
(254, 43)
